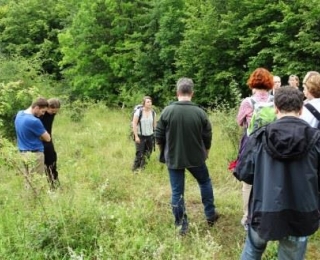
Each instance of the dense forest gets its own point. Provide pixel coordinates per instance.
(120, 50)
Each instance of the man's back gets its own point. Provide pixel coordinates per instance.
(187, 134)
(184, 134)
(28, 129)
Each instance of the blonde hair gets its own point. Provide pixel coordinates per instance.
(313, 85)
(144, 99)
(308, 75)
(54, 103)
(296, 78)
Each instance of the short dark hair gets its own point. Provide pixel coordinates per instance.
(40, 102)
(185, 86)
(288, 99)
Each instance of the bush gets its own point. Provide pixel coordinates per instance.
(14, 96)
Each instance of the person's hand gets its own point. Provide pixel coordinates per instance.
(137, 139)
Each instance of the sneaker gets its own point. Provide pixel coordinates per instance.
(245, 226)
(184, 229)
(244, 223)
(213, 219)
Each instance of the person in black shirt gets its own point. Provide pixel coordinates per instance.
(50, 155)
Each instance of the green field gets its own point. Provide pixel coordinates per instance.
(104, 211)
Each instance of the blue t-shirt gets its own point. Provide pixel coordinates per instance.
(29, 129)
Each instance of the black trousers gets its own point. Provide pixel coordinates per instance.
(143, 151)
(50, 161)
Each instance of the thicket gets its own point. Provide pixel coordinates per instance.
(118, 51)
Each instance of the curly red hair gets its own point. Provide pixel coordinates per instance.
(260, 79)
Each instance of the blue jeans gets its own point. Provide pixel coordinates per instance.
(177, 180)
(290, 248)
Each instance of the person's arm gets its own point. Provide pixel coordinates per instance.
(207, 134)
(160, 137)
(160, 133)
(155, 121)
(244, 113)
(135, 128)
(45, 137)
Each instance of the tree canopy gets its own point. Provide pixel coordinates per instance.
(118, 51)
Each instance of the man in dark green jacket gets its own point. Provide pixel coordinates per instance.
(184, 136)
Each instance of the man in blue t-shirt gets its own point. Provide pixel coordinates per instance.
(30, 134)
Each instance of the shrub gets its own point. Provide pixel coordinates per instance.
(14, 96)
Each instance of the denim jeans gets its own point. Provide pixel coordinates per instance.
(177, 181)
(290, 248)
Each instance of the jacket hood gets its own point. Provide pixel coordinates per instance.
(289, 138)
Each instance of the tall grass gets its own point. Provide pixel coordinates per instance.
(104, 211)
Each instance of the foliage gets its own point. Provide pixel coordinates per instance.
(8, 154)
(18, 68)
(21, 81)
(86, 53)
(225, 115)
(14, 96)
(197, 56)
(116, 51)
(77, 109)
(37, 38)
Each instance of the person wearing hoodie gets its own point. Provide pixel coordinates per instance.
(282, 163)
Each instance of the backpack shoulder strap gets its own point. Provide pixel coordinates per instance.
(270, 98)
(313, 111)
(140, 114)
(252, 102)
(153, 115)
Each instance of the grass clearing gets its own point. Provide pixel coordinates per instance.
(104, 211)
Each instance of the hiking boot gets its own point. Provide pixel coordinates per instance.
(184, 229)
(213, 219)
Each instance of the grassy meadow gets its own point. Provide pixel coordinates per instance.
(104, 211)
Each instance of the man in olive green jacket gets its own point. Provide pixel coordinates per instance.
(184, 136)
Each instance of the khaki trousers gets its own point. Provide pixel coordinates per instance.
(33, 162)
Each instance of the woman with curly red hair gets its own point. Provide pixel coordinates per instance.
(260, 82)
